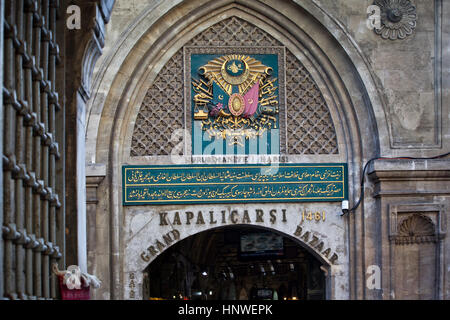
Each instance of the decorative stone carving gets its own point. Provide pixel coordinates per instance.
(95, 45)
(398, 18)
(310, 128)
(162, 112)
(416, 228)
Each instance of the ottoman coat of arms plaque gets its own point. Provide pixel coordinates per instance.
(235, 99)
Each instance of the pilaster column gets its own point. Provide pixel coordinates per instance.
(83, 49)
(95, 174)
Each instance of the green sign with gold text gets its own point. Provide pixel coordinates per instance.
(249, 183)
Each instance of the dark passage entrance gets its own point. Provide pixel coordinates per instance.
(235, 263)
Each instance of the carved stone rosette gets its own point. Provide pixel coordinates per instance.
(398, 18)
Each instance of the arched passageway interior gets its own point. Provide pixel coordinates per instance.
(235, 263)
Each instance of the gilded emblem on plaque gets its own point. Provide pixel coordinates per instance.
(236, 104)
(235, 96)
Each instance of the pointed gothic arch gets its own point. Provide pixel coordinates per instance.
(353, 102)
(211, 243)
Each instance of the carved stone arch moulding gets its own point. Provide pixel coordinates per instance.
(165, 44)
(101, 12)
(307, 121)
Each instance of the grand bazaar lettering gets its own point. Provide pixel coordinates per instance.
(256, 216)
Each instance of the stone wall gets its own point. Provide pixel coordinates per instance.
(385, 97)
(409, 71)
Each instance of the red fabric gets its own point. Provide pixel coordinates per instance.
(251, 100)
(75, 294)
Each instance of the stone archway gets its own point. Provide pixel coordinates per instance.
(236, 262)
(152, 232)
(350, 112)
